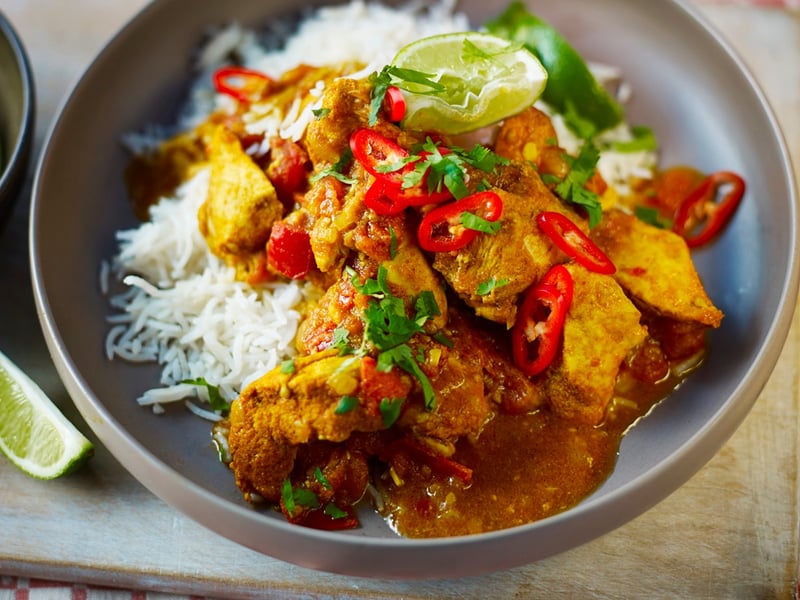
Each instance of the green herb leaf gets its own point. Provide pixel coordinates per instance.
(288, 366)
(388, 327)
(337, 169)
(215, 399)
(346, 404)
(305, 498)
(651, 216)
(488, 286)
(341, 340)
(473, 221)
(334, 512)
(572, 189)
(392, 243)
(287, 496)
(390, 410)
(320, 477)
(402, 357)
(425, 307)
(320, 113)
(581, 127)
(644, 140)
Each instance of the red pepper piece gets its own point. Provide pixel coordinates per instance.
(702, 210)
(245, 85)
(441, 230)
(377, 153)
(568, 238)
(289, 250)
(288, 169)
(384, 198)
(394, 104)
(441, 465)
(537, 332)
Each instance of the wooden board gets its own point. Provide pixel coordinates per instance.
(731, 531)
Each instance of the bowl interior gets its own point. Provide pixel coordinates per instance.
(16, 115)
(705, 111)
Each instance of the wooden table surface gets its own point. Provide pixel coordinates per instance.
(730, 532)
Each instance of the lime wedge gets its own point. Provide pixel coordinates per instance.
(483, 79)
(34, 434)
(571, 86)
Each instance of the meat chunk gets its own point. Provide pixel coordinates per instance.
(517, 255)
(601, 330)
(285, 408)
(240, 207)
(655, 268)
(526, 136)
(347, 102)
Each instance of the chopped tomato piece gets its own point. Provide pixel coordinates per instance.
(289, 250)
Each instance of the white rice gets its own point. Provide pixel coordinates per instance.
(181, 306)
(184, 309)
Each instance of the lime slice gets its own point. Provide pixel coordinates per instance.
(484, 79)
(571, 86)
(34, 435)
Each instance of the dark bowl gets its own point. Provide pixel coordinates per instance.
(703, 105)
(17, 115)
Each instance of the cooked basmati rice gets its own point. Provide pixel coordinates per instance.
(185, 310)
(182, 307)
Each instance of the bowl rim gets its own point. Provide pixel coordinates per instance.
(640, 494)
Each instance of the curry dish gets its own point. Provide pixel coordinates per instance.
(465, 374)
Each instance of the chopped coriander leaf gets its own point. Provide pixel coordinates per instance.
(488, 286)
(390, 410)
(426, 307)
(651, 216)
(392, 243)
(386, 324)
(377, 288)
(644, 140)
(581, 127)
(346, 404)
(448, 169)
(215, 399)
(572, 189)
(293, 497)
(305, 498)
(550, 179)
(320, 113)
(402, 357)
(388, 327)
(341, 340)
(337, 169)
(320, 477)
(287, 496)
(288, 366)
(443, 339)
(420, 357)
(334, 512)
(473, 221)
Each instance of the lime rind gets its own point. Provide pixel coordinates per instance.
(34, 435)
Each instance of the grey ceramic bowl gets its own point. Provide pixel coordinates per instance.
(17, 115)
(751, 272)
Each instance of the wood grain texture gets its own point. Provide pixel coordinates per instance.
(730, 532)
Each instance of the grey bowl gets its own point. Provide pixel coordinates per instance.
(17, 116)
(704, 107)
